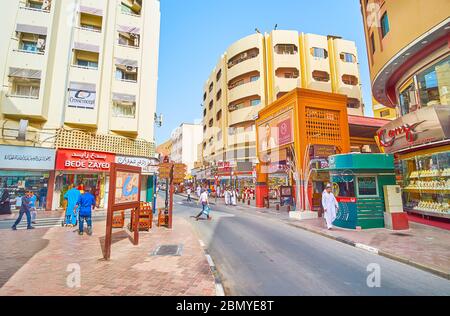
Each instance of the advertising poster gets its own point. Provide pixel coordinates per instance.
(276, 132)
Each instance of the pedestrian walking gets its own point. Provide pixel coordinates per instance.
(5, 203)
(330, 206)
(86, 202)
(199, 191)
(43, 197)
(24, 209)
(234, 197)
(188, 192)
(227, 196)
(33, 212)
(71, 196)
(205, 205)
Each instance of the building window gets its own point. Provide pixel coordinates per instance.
(243, 79)
(322, 76)
(44, 5)
(91, 22)
(204, 112)
(219, 75)
(239, 58)
(204, 96)
(408, 100)
(254, 78)
(219, 115)
(211, 122)
(290, 73)
(32, 43)
(129, 39)
(124, 109)
(434, 84)
(28, 88)
(211, 86)
(384, 25)
(86, 59)
(126, 73)
(350, 80)
(353, 103)
(204, 128)
(318, 52)
(132, 7)
(286, 49)
(348, 58)
(372, 43)
(367, 186)
(385, 113)
(219, 95)
(211, 104)
(255, 102)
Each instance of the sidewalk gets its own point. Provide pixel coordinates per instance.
(422, 246)
(40, 261)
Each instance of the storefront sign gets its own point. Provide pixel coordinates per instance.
(82, 95)
(223, 166)
(27, 158)
(79, 160)
(276, 132)
(322, 151)
(148, 166)
(427, 125)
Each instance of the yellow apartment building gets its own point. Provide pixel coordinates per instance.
(261, 68)
(408, 44)
(78, 75)
(381, 111)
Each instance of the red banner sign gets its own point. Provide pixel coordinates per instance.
(79, 160)
(345, 199)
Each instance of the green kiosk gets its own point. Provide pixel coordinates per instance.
(358, 181)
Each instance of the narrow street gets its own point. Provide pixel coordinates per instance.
(257, 254)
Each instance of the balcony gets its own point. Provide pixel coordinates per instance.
(244, 90)
(286, 84)
(125, 125)
(87, 36)
(38, 17)
(84, 74)
(243, 115)
(23, 107)
(241, 137)
(286, 61)
(27, 60)
(244, 67)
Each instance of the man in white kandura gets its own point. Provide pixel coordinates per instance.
(330, 206)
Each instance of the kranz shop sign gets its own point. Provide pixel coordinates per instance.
(429, 124)
(83, 160)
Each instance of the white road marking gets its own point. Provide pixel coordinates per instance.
(368, 248)
(210, 261)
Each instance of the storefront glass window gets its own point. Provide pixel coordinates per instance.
(367, 186)
(434, 84)
(344, 187)
(407, 99)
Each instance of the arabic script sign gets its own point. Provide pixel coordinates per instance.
(26, 158)
(148, 166)
(68, 159)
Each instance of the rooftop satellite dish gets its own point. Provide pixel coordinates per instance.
(23, 126)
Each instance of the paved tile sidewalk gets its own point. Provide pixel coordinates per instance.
(36, 262)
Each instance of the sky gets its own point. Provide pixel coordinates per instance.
(195, 33)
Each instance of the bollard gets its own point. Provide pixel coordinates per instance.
(278, 207)
(248, 202)
(288, 208)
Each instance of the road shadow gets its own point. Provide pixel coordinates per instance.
(115, 238)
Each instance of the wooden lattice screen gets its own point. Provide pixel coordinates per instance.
(323, 126)
(76, 139)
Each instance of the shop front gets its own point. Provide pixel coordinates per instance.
(82, 169)
(149, 169)
(421, 143)
(26, 169)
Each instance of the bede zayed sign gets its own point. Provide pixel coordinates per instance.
(68, 159)
(29, 158)
(427, 125)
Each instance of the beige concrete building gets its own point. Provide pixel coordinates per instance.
(259, 69)
(185, 140)
(77, 66)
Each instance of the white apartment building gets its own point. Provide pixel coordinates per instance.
(185, 140)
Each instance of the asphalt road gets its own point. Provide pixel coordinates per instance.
(257, 254)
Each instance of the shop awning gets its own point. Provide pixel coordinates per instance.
(86, 47)
(128, 29)
(25, 73)
(127, 62)
(361, 126)
(123, 97)
(32, 29)
(92, 11)
(90, 87)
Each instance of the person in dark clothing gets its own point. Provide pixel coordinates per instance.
(86, 201)
(43, 197)
(24, 208)
(5, 205)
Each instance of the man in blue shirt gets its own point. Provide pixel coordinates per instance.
(24, 209)
(86, 201)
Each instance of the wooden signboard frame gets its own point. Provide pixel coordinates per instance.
(113, 206)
